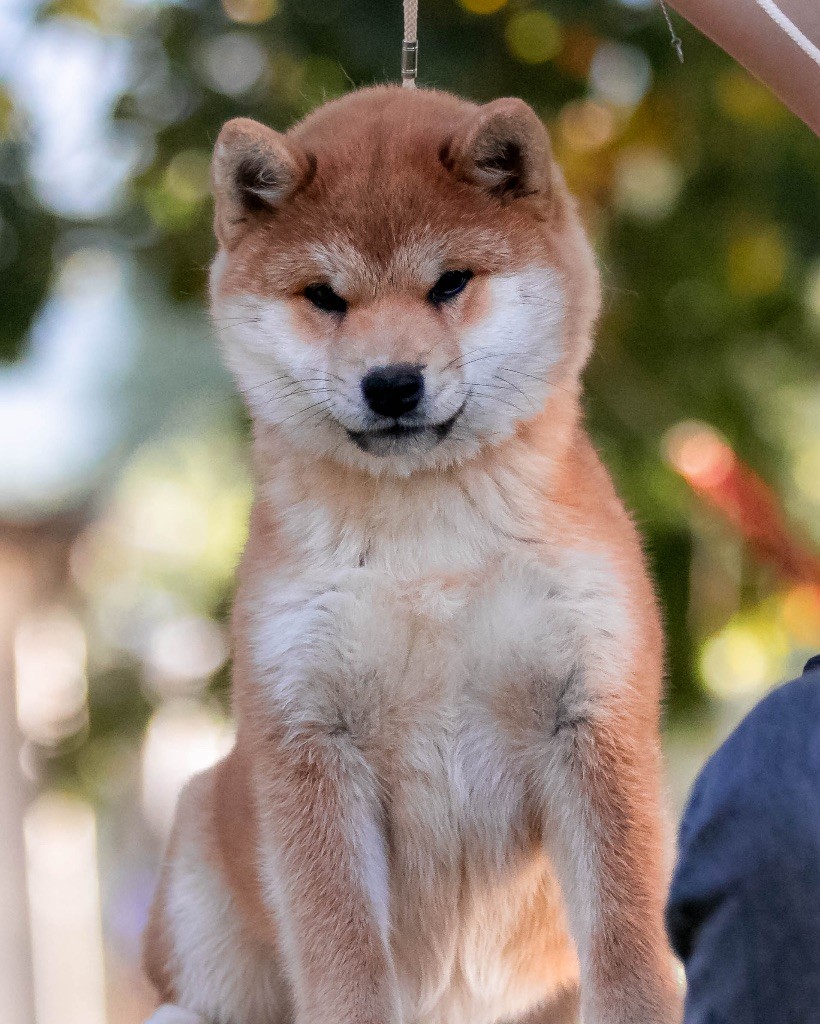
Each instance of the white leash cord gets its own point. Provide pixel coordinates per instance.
(677, 42)
(410, 44)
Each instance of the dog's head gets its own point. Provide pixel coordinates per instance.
(402, 278)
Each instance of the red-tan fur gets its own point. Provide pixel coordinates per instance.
(444, 800)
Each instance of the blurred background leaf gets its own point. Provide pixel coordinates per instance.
(123, 480)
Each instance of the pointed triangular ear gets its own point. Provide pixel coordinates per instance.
(255, 169)
(504, 148)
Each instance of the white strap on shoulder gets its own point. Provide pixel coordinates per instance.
(791, 30)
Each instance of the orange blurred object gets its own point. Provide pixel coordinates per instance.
(713, 470)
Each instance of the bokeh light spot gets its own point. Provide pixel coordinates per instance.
(482, 6)
(620, 74)
(801, 614)
(696, 452)
(647, 183)
(64, 900)
(806, 471)
(587, 126)
(182, 653)
(232, 63)
(745, 99)
(735, 664)
(187, 176)
(533, 36)
(50, 671)
(183, 738)
(86, 271)
(756, 262)
(249, 12)
(577, 50)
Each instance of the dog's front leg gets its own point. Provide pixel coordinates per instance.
(604, 830)
(326, 871)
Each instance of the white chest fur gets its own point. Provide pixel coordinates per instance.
(447, 646)
(432, 611)
(448, 683)
(448, 636)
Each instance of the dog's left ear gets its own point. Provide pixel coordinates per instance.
(255, 170)
(504, 148)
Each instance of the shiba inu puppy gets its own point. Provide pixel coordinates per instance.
(443, 806)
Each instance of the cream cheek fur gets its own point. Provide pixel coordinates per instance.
(501, 375)
(443, 806)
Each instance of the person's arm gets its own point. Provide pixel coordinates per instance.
(749, 31)
(744, 910)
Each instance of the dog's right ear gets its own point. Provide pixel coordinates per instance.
(254, 171)
(503, 149)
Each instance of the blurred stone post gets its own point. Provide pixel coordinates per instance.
(33, 569)
(16, 983)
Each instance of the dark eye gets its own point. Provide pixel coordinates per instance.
(323, 297)
(449, 285)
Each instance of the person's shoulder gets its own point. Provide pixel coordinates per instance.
(789, 714)
(775, 748)
(791, 709)
(802, 692)
(748, 874)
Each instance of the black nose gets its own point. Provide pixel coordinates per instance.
(393, 390)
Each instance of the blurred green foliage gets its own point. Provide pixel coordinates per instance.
(701, 192)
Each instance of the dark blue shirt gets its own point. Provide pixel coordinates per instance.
(744, 911)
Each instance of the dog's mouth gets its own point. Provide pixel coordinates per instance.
(403, 438)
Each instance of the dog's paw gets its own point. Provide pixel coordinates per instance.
(168, 1014)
